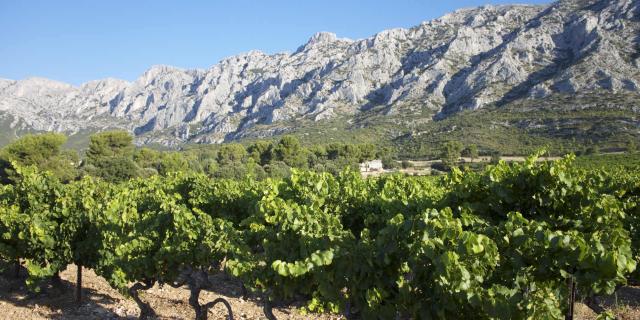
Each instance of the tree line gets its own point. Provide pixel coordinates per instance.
(113, 157)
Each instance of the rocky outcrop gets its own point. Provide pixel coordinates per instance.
(464, 60)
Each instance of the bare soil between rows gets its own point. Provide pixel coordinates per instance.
(100, 301)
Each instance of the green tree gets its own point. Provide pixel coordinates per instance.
(632, 146)
(116, 169)
(389, 163)
(385, 151)
(254, 170)
(354, 153)
(43, 151)
(451, 151)
(231, 153)
(172, 162)
(260, 151)
(110, 156)
(231, 171)
(147, 158)
(333, 151)
(367, 152)
(592, 150)
(495, 157)
(209, 166)
(406, 164)
(278, 169)
(290, 151)
(318, 155)
(471, 151)
(116, 143)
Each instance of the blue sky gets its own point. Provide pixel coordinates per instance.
(78, 41)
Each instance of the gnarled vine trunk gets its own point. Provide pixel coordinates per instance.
(79, 284)
(16, 269)
(146, 312)
(268, 309)
(593, 304)
(349, 313)
(244, 292)
(198, 280)
(572, 299)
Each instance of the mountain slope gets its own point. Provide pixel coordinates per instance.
(469, 59)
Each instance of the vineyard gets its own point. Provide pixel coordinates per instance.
(514, 241)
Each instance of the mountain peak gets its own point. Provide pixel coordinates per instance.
(322, 38)
(464, 60)
(162, 68)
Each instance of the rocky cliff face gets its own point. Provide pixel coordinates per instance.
(465, 60)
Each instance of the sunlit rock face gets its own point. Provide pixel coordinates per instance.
(464, 60)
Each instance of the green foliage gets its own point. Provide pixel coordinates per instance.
(35, 149)
(43, 151)
(255, 171)
(592, 150)
(495, 244)
(261, 151)
(278, 169)
(147, 158)
(471, 152)
(150, 235)
(31, 227)
(172, 162)
(389, 163)
(109, 144)
(451, 151)
(630, 162)
(231, 154)
(495, 157)
(289, 151)
(554, 208)
(632, 146)
(110, 156)
(353, 152)
(230, 171)
(113, 169)
(81, 204)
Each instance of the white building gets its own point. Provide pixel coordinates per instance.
(371, 166)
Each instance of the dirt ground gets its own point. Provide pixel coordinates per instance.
(625, 305)
(102, 302)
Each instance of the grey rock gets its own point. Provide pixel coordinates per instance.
(465, 60)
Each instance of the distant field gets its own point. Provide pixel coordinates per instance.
(624, 160)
